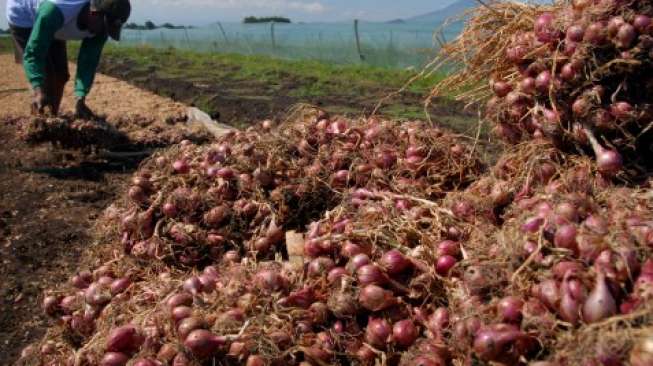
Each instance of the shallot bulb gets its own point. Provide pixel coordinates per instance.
(114, 359)
(571, 299)
(527, 85)
(608, 161)
(188, 325)
(181, 167)
(565, 237)
(357, 261)
(404, 333)
(124, 339)
(50, 305)
(625, 36)
(336, 274)
(444, 264)
(203, 343)
(600, 303)
(394, 262)
(375, 298)
(193, 285)
(544, 29)
(378, 332)
(371, 274)
(448, 247)
(97, 295)
(614, 24)
(499, 342)
(269, 280)
(182, 299)
(510, 309)
(596, 34)
(321, 266)
(575, 33)
(501, 88)
(543, 81)
(642, 23)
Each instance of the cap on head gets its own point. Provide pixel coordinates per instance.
(116, 13)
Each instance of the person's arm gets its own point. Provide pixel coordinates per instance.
(49, 20)
(87, 63)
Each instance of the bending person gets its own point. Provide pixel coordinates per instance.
(40, 29)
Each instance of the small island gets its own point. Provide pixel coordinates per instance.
(255, 20)
(151, 26)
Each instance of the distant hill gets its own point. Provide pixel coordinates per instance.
(439, 16)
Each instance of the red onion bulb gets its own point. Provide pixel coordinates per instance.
(394, 262)
(404, 333)
(378, 332)
(444, 264)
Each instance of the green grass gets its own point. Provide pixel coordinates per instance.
(315, 78)
(5, 44)
(278, 83)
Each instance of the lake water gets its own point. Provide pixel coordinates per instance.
(388, 45)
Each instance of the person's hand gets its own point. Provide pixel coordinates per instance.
(39, 102)
(82, 111)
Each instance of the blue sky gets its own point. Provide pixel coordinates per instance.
(198, 12)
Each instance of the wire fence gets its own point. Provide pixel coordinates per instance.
(386, 45)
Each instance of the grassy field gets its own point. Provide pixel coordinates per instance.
(266, 85)
(5, 44)
(325, 79)
(241, 89)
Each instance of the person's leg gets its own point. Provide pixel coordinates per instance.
(57, 74)
(20, 37)
(18, 51)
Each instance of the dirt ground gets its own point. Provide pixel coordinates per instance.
(50, 197)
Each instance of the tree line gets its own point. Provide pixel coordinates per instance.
(252, 20)
(149, 25)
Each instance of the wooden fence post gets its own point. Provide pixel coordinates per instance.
(224, 34)
(187, 38)
(274, 42)
(358, 41)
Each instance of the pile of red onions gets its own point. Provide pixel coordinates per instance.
(548, 87)
(331, 240)
(355, 293)
(240, 193)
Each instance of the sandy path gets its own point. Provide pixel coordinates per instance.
(111, 97)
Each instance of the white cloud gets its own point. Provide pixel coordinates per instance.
(311, 7)
(3, 15)
(187, 10)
